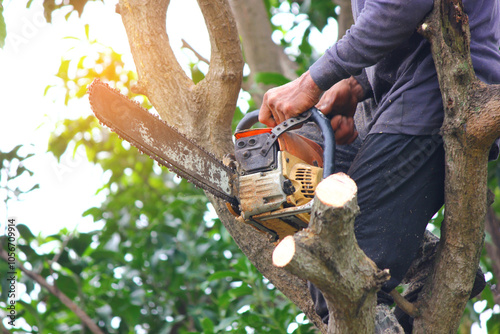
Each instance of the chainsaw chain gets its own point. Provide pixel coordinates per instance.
(144, 150)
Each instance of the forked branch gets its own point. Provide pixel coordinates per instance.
(204, 111)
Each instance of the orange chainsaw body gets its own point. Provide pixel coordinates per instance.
(276, 189)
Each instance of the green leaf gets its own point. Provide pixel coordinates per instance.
(36, 186)
(271, 78)
(63, 69)
(25, 232)
(208, 326)
(67, 285)
(493, 324)
(3, 28)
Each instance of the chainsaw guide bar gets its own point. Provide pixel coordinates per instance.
(163, 143)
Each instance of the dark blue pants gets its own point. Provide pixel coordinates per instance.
(400, 181)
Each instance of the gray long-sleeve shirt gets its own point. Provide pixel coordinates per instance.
(384, 47)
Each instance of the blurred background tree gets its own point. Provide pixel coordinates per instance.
(162, 262)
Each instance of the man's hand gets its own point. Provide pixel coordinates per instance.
(341, 101)
(289, 100)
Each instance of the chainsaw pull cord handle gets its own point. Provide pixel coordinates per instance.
(321, 121)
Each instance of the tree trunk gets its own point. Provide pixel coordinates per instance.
(178, 101)
(345, 19)
(471, 123)
(261, 53)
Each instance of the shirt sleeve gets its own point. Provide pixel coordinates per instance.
(362, 79)
(381, 27)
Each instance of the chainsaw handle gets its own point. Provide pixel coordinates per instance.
(328, 141)
(326, 130)
(248, 120)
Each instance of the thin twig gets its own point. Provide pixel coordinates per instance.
(200, 57)
(87, 321)
(404, 305)
(58, 254)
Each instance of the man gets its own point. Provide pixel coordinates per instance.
(398, 163)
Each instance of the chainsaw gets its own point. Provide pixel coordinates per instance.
(268, 183)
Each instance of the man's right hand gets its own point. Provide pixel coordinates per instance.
(341, 101)
(289, 100)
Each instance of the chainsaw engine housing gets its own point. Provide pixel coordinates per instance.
(276, 186)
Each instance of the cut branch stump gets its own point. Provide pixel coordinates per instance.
(327, 255)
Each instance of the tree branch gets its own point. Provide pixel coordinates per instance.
(261, 53)
(327, 252)
(199, 56)
(466, 142)
(86, 320)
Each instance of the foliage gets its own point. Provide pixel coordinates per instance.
(50, 6)
(11, 169)
(305, 17)
(3, 28)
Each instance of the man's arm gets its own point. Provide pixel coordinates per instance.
(382, 26)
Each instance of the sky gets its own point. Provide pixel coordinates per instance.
(28, 63)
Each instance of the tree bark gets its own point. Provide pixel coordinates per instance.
(345, 18)
(471, 123)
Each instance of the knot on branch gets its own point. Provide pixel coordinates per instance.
(380, 277)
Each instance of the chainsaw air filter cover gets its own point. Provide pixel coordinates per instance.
(249, 152)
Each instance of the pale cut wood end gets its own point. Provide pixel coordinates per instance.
(336, 190)
(284, 252)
